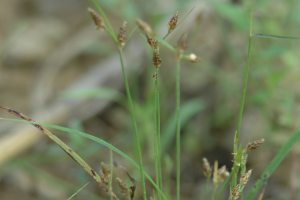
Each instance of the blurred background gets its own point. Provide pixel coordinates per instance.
(57, 68)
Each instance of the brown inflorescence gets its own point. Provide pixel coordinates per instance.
(254, 145)
(156, 58)
(206, 168)
(153, 42)
(99, 21)
(122, 35)
(173, 22)
(181, 46)
(122, 185)
(145, 27)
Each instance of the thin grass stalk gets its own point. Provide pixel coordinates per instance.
(178, 127)
(111, 171)
(66, 148)
(134, 126)
(236, 139)
(224, 185)
(158, 131)
(203, 193)
(155, 137)
(213, 194)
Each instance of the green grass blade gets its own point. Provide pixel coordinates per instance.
(276, 37)
(77, 191)
(274, 164)
(111, 30)
(236, 166)
(131, 33)
(98, 140)
(236, 137)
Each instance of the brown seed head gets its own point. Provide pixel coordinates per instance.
(99, 21)
(122, 35)
(223, 174)
(173, 22)
(145, 27)
(181, 45)
(153, 42)
(122, 185)
(206, 168)
(254, 145)
(244, 179)
(105, 169)
(193, 58)
(156, 58)
(235, 193)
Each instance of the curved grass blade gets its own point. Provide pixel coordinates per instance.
(274, 164)
(78, 191)
(276, 37)
(111, 30)
(64, 147)
(98, 140)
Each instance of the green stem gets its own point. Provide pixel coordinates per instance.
(224, 185)
(178, 126)
(134, 126)
(202, 196)
(156, 137)
(111, 171)
(213, 194)
(236, 139)
(158, 131)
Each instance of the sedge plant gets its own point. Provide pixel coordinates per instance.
(219, 174)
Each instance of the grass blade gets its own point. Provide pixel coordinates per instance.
(274, 164)
(276, 37)
(78, 191)
(98, 140)
(111, 30)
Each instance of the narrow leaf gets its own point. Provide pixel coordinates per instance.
(77, 191)
(98, 140)
(276, 36)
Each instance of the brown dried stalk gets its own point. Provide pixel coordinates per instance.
(67, 149)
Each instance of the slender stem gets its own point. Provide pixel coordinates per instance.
(155, 137)
(202, 196)
(158, 131)
(111, 171)
(236, 139)
(213, 194)
(134, 126)
(224, 186)
(178, 126)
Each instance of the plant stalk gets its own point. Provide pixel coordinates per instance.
(178, 127)
(134, 126)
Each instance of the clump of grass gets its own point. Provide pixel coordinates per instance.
(219, 174)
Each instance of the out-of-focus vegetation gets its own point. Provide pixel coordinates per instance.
(31, 33)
